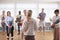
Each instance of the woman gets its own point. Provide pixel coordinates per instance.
(55, 24)
(9, 25)
(3, 21)
(29, 27)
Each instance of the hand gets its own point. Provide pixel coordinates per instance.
(53, 25)
(40, 28)
(10, 26)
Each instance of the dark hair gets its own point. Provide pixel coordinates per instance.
(8, 12)
(56, 11)
(19, 12)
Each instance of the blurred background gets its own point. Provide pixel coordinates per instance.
(35, 5)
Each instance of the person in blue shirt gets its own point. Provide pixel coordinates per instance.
(9, 25)
(41, 18)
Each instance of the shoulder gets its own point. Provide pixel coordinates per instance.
(54, 16)
(44, 13)
(39, 13)
(12, 17)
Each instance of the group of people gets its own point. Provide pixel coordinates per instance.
(29, 24)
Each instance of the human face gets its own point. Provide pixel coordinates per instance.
(42, 9)
(56, 13)
(25, 12)
(8, 13)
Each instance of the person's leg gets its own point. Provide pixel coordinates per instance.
(7, 33)
(7, 36)
(54, 33)
(18, 29)
(3, 29)
(12, 33)
(57, 33)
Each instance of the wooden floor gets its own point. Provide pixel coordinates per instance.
(39, 36)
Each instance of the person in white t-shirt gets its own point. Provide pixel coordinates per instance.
(29, 27)
(55, 24)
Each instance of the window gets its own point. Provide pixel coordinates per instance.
(49, 10)
(32, 7)
(7, 7)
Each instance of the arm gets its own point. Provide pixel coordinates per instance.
(35, 26)
(13, 21)
(6, 21)
(38, 16)
(23, 28)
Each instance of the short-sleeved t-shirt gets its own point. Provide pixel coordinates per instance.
(42, 16)
(32, 26)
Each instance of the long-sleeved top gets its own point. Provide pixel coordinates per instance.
(9, 20)
(56, 20)
(30, 27)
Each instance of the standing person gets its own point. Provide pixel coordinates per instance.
(29, 27)
(41, 17)
(25, 13)
(23, 19)
(55, 24)
(19, 21)
(9, 25)
(3, 21)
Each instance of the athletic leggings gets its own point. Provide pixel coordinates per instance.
(10, 31)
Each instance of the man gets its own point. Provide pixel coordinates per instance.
(41, 17)
(29, 27)
(18, 21)
(9, 25)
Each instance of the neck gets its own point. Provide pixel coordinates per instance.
(56, 15)
(28, 18)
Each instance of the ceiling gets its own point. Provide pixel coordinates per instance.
(28, 1)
